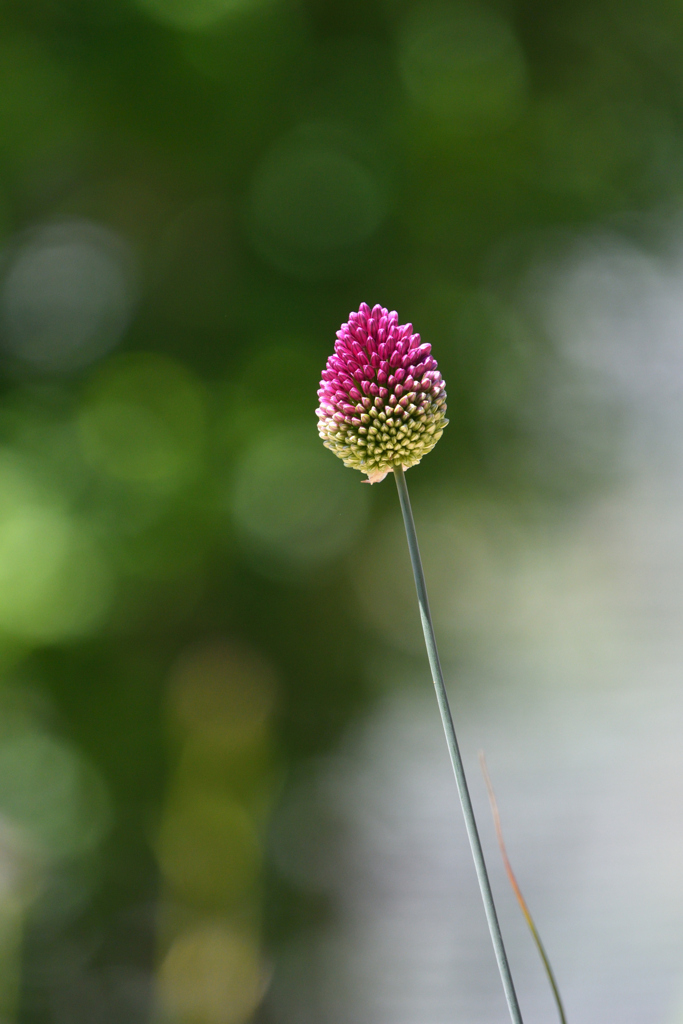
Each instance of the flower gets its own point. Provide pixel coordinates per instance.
(382, 398)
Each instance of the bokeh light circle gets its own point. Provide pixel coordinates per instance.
(67, 296)
(311, 207)
(54, 582)
(208, 848)
(194, 15)
(211, 974)
(222, 692)
(52, 794)
(462, 64)
(294, 504)
(143, 422)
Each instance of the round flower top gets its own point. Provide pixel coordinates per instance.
(382, 398)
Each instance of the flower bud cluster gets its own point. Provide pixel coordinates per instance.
(382, 398)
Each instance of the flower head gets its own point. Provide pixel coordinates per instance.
(382, 398)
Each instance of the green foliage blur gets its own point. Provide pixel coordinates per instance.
(193, 196)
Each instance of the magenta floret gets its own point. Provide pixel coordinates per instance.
(382, 398)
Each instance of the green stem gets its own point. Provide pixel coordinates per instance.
(454, 751)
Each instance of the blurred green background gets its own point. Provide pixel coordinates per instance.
(193, 196)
